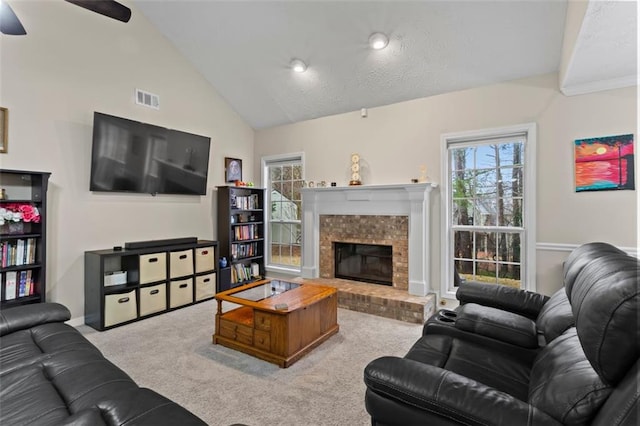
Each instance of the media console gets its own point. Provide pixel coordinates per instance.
(147, 278)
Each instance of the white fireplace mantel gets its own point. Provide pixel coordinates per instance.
(410, 200)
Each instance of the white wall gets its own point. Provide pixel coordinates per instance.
(71, 63)
(395, 140)
(74, 62)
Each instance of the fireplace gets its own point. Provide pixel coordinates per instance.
(396, 215)
(371, 263)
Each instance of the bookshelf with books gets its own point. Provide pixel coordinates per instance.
(241, 234)
(23, 224)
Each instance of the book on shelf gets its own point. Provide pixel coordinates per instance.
(246, 232)
(255, 270)
(25, 283)
(10, 285)
(18, 252)
(245, 202)
(239, 251)
(22, 284)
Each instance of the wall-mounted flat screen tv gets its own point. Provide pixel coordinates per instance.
(129, 156)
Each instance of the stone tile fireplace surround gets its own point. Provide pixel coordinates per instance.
(366, 229)
(397, 215)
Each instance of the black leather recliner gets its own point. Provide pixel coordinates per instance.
(587, 375)
(523, 318)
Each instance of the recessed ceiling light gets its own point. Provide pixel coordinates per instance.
(298, 66)
(378, 41)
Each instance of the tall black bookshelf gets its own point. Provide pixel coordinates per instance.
(23, 242)
(241, 226)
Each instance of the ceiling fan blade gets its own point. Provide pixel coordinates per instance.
(108, 8)
(9, 22)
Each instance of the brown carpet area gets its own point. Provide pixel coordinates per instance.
(173, 355)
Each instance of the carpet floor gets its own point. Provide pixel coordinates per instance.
(173, 354)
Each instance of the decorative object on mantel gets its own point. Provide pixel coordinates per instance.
(355, 169)
(604, 164)
(423, 174)
(4, 130)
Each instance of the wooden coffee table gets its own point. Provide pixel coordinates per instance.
(277, 321)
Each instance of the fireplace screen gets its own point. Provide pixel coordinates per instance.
(364, 262)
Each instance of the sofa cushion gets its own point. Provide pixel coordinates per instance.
(563, 383)
(84, 378)
(605, 301)
(499, 370)
(28, 397)
(144, 406)
(27, 346)
(555, 316)
(580, 257)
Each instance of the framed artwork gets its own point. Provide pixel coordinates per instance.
(232, 169)
(4, 129)
(604, 164)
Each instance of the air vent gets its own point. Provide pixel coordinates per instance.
(147, 99)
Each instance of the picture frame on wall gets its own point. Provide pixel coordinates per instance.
(604, 163)
(232, 169)
(4, 130)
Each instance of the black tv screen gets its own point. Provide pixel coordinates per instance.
(129, 156)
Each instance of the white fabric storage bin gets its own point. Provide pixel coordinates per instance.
(205, 286)
(153, 299)
(181, 292)
(205, 259)
(181, 263)
(153, 267)
(119, 308)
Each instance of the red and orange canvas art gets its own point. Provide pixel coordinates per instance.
(604, 164)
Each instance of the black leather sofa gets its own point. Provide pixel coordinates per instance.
(52, 375)
(508, 357)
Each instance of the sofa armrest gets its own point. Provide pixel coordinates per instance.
(446, 394)
(497, 296)
(497, 324)
(27, 316)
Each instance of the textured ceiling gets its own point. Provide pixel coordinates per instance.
(606, 52)
(243, 48)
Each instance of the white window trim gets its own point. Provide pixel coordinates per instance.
(265, 162)
(529, 266)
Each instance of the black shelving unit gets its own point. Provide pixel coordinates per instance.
(241, 222)
(23, 245)
(128, 285)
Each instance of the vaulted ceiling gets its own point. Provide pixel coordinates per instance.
(244, 49)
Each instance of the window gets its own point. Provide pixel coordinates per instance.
(283, 178)
(489, 207)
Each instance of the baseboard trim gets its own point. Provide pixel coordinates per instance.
(632, 251)
(75, 322)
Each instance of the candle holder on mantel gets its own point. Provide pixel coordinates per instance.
(355, 170)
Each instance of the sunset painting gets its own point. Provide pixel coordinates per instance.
(604, 164)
